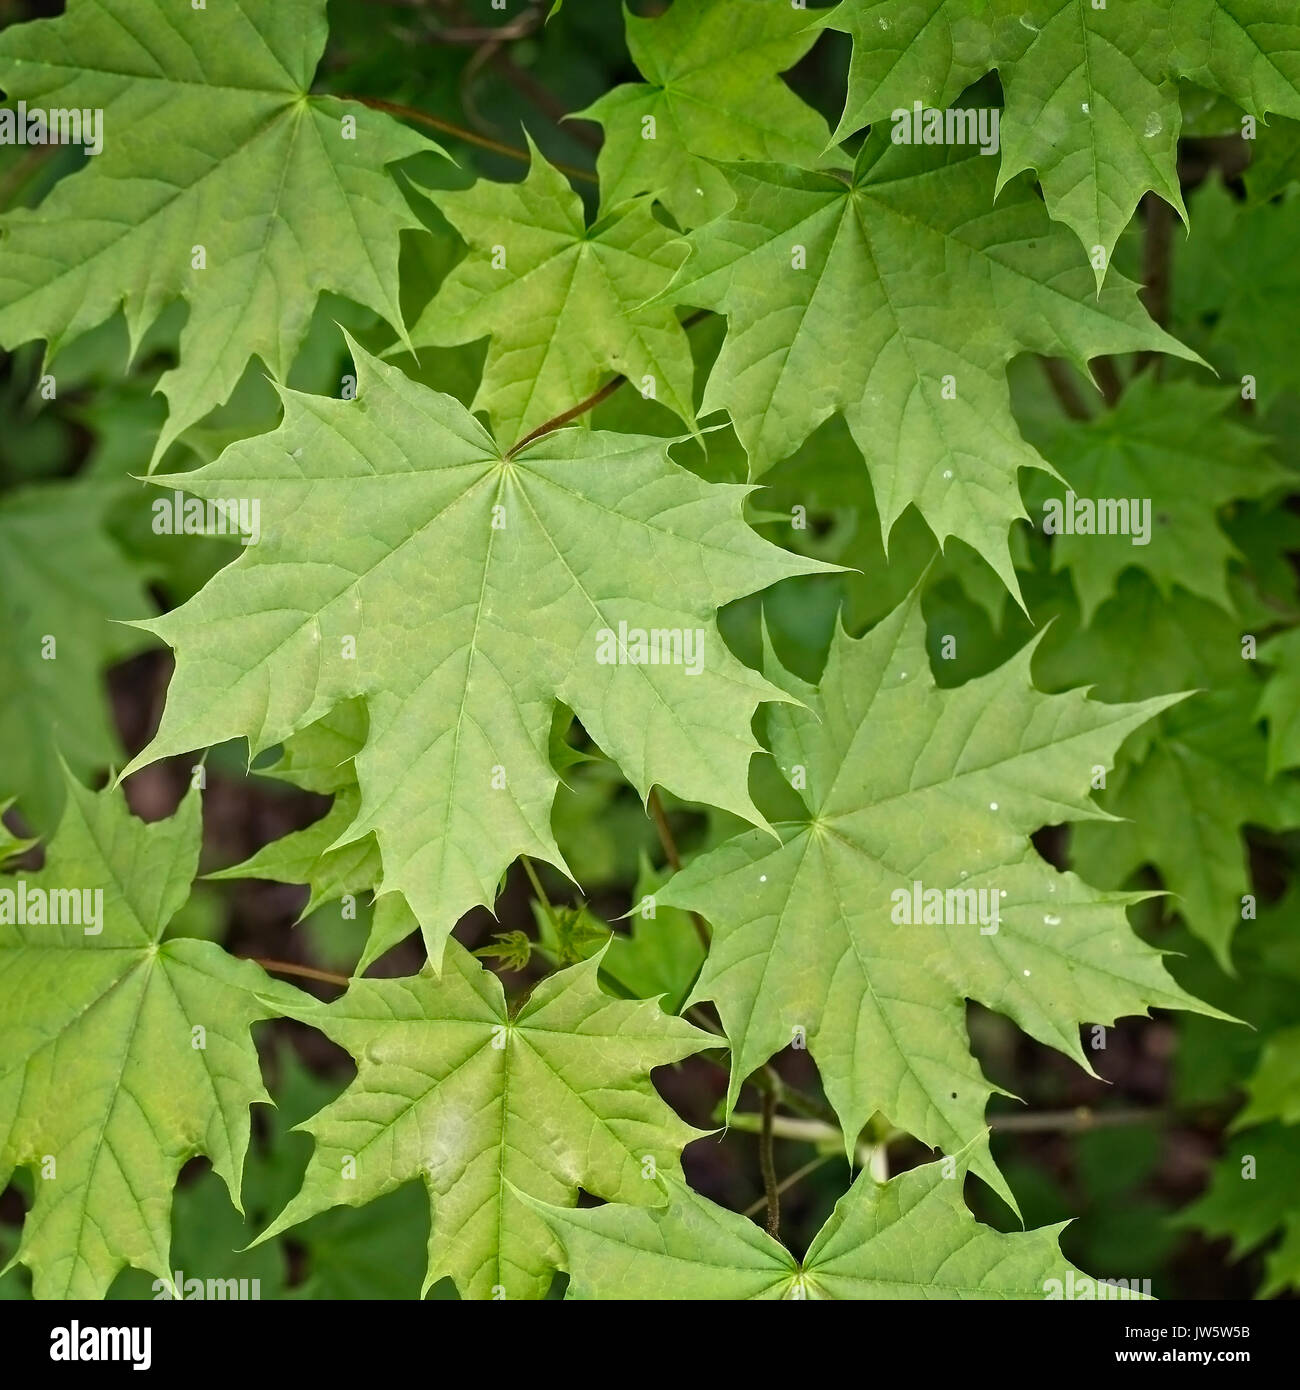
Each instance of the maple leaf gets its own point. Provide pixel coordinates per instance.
(910, 1237)
(480, 1105)
(221, 181)
(908, 784)
(1092, 108)
(711, 94)
(472, 601)
(1230, 282)
(896, 297)
(1249, 1210)
(560, 303)
(63, 583)
(1091, 98)
(1188, 784)
(1280, 702)
(125, 1054)
(1210, 757)
(1274, 1089)
(1169, 452)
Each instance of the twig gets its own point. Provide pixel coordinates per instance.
(493, 50)
(785, 1184)
(470, 137)
(540, 891)
(288, 967)
(1156, 249)
(766, 1162)
(665, 833)
(1107, 379)
(559, 421)
(592, 401)
(673, 857)
(1074, 1121)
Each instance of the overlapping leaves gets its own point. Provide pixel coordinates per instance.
(462, 592)
(221, 181)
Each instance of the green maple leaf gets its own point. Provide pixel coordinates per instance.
(472, 602)
(1280, 702)
(911, 1237)
(104, 1092)
(1274, 1088)
(480, 1106)
(211, 140)
(1091, 106)
(561, 304)
(711, 94)
(905, 783)
(1169, 447)
(63, 585)
(1091, 94)
(1250, 1203)
(1209, 757)
(1236, 286)
(896, 297)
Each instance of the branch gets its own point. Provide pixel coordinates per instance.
(492, 50)
(592, 401)
(288, 967)
(770, 1189)
(786, 1183)
(1156, 249)
(540, 891)
(470, 137)
(673, 857)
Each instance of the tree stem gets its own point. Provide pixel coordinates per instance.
(766, 1161)
(540, 891)
(673, 856)
(470, 137)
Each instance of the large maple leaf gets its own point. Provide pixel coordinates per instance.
(221, 181)
(124, 1054)
(911, 1237)
(481, 1105)
(897, 296)
(463, 591)
(909, 784)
